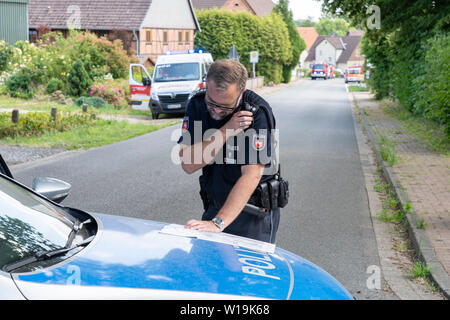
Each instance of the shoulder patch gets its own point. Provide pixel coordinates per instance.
(185, 123)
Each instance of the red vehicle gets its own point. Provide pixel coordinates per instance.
(320, 70)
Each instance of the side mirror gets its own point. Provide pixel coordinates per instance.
(53, 189)
(146, 82)
(204, 78)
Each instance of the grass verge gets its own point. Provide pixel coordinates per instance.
(356, 88)
(427, 130)
(102, 133)
(46, 104)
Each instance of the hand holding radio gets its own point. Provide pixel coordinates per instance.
(240, 121)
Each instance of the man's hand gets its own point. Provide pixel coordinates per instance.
(239, 122)
(207, 226)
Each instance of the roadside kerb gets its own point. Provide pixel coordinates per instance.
(420, 240)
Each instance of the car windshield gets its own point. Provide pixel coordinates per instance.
(319, 66)
(354, 71)
(28, 223)
(177, 72)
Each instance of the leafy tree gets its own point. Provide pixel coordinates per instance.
(298, 44)
(327, 26)
(305, 22)
(405, 50)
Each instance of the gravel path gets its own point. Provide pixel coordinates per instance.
(15, 155)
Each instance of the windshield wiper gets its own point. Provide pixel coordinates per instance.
(44, 255)
(77, 226)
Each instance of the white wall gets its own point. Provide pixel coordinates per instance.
(169, 14)
(325, 52)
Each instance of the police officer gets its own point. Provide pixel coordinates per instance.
(214, 120)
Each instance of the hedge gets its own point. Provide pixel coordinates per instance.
(268, 35)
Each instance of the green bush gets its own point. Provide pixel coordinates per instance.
(19, 84)
(79, 81)
(96, 102)
(432, 87)
(268, 35)
(298, 44)
(37, 123)
(54, 85)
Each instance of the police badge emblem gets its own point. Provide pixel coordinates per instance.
(259, 142)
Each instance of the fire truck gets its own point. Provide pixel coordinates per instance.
(354, 74)
(320, 70)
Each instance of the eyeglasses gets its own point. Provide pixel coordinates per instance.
(213, 105)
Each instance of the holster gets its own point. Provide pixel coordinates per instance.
(203, 194)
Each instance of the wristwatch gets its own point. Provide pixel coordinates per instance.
(218, 222)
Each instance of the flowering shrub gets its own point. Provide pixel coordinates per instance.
(53, 57)
(37, 123)
(109, 92)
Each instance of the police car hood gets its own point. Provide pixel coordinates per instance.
(134, 255)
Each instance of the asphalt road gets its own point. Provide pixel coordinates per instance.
(327, 220)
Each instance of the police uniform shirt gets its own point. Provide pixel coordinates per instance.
(223, 173)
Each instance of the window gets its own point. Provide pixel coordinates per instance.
(165, 37)
(180, 37)
(187, 37)
(177, 72)
(137, 73)
(148, 36)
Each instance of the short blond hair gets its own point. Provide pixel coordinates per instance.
(226, 72)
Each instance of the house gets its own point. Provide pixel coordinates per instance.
(148, 28)
(309, 35)
(259, 8)
(13, 20)
(342, 52)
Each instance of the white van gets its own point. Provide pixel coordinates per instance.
(175, 79)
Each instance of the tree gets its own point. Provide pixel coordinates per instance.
(305, 22)
(405, 42)
(298, 44)
(79, 81)
(327, 26)
(268, 35)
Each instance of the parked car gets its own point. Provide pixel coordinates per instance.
(49, 251)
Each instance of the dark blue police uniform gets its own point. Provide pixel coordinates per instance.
(220, 176)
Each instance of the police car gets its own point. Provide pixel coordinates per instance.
(48, 251)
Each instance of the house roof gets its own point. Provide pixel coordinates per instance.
(351, 43)
(309, 34)
(260, 7)
(208, 4)
(355, 33)
(348, 44)
(94, 15)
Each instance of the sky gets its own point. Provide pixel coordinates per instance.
(304, 8)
